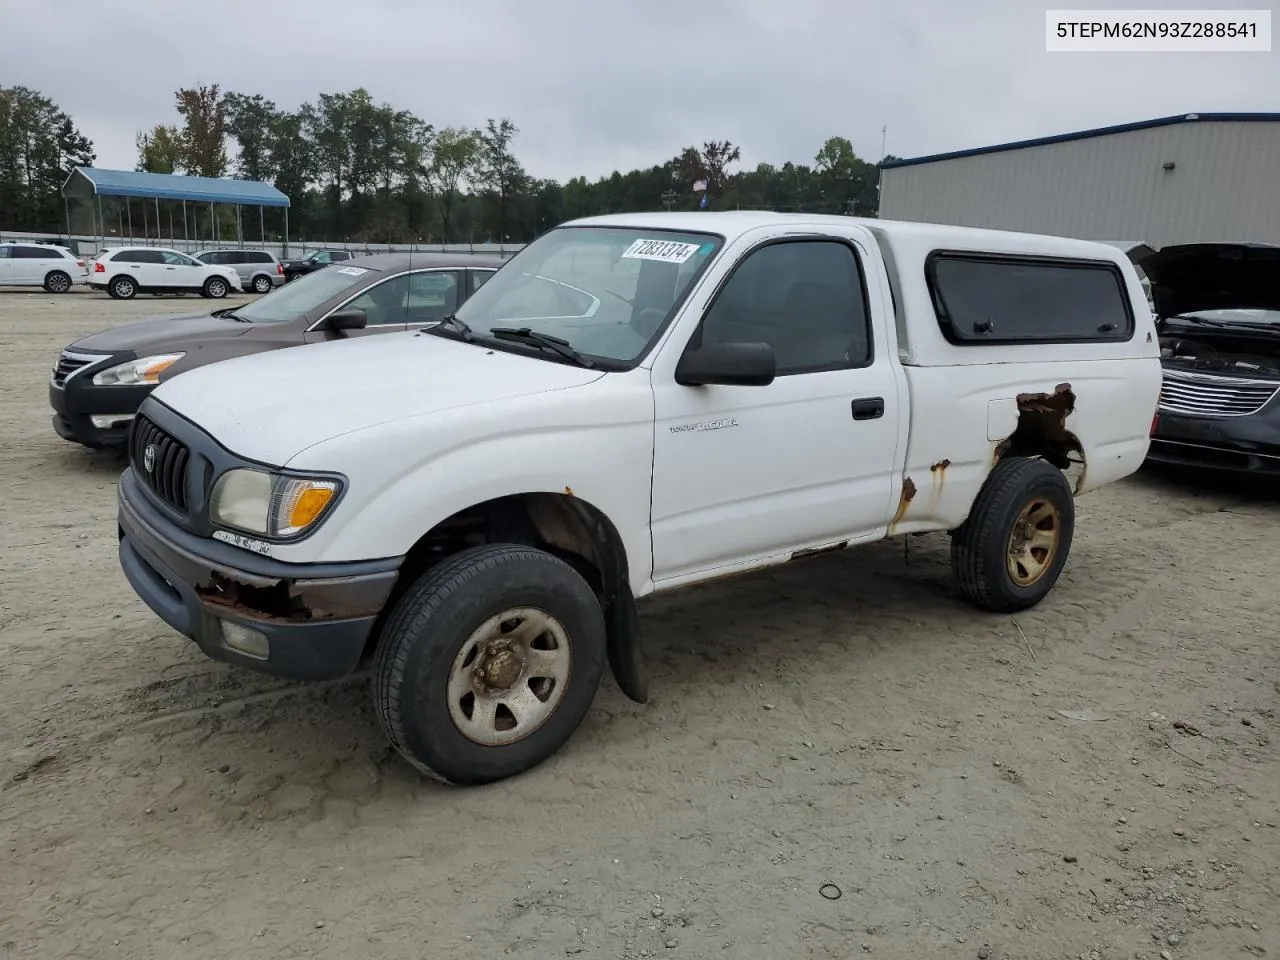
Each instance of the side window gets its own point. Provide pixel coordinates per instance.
(321, 257)
(4, 252)
(145, 256)
(175, 259)
(432, 295)
(1002, 299)
(384, 303)
(806, 299)
(33, 253)
(258, 257)
(337, 255)
(478, 278)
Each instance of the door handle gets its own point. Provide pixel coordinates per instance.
(868, 408)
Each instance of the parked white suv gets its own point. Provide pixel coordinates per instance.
(46, 265)
(476, 507)
(126, 272)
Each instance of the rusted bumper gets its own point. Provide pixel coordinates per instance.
(311, 621)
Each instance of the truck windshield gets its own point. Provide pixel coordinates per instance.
(303, 295)
(605, 291)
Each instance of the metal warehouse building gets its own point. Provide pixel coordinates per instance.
(1185, 179)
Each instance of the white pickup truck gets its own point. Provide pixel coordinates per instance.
(633, 403)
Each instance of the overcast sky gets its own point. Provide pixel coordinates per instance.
(599, 85)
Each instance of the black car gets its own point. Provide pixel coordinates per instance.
(1217, 309)
(99, 381)
(313, 262)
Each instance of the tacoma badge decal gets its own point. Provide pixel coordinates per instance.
(705, 425)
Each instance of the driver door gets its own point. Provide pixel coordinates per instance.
(385, 304)
(177, 271)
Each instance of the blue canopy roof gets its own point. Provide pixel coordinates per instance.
(86, 182)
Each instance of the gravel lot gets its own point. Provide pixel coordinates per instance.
(1097, 780)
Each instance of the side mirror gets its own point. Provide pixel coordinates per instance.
(728, 364)
(352, 318)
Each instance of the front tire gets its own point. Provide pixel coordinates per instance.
(215, 288)
(1010, 552)
(489, 663)
(123, 288)
(57, 282)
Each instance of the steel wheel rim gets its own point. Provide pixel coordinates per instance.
(1034, 541)
(509, 676)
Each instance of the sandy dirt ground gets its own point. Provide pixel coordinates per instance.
(1098, 779)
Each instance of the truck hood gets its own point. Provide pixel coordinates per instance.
(161, 334)
(1191, 277)
(272, 406)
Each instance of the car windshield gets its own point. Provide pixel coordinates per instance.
(1251, 317)
(302, 295)
(605, 291)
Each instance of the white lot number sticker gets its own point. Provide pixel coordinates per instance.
(352, 271)
(666, 251)
(243, 542)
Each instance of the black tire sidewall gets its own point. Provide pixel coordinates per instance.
(1046, 481)
(433, 621)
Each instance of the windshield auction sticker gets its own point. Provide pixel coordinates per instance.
(665, 251)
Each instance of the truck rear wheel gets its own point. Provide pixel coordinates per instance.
(489, 663)
(1010, 552)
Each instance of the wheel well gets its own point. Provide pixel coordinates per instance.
(563, 525)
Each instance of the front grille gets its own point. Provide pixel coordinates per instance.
(169, 458)
(1207, 396)
(67, 365)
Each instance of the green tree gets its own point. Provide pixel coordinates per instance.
(160, 150)
(204, 130)
(498, 173)
(39, 147)
(251, 121)
(454, 156)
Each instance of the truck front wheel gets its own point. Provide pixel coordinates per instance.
(489, 663)
(1010, 552)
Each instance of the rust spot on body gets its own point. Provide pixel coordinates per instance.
(940, 466)
(904, 501)
(568, 491)
(1042, 431)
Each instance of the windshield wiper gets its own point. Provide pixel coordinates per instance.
(1192, 318)
(554, 344)
(453, 323)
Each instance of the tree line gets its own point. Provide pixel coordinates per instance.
(361, 171)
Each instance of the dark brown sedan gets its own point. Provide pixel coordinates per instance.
(100, 380)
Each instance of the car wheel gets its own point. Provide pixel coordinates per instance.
(489, 663)
(1011, 550)
(262, 284)
(57, 282)
(216, 288)
(123, 288)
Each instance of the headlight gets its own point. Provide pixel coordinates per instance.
(144, 370)
(270, 504)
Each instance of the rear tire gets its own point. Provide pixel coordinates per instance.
(215, 288)
(1010, 552)
(123, 288)
(57, 282)
(491, 626)
(262, 284)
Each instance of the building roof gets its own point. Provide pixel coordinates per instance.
(86, 182)
(1086, 134)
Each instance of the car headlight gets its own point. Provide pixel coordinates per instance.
(270, 504)
(144, 370)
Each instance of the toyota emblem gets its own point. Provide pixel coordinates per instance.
(149, 458)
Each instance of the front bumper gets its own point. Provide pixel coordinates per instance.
(1246, 445)
(78, 401)
(316, 618)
